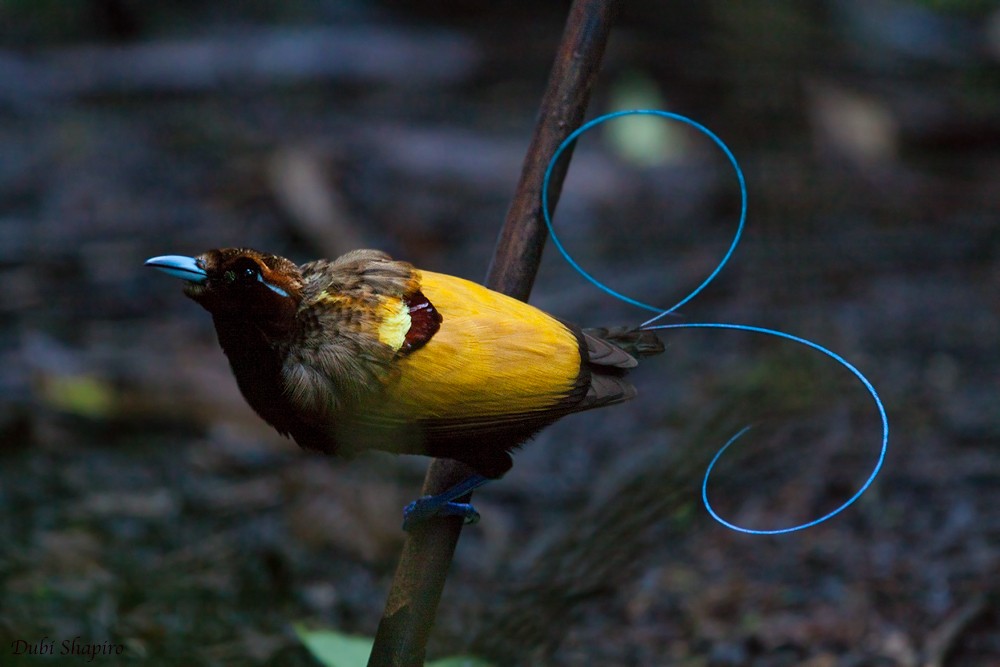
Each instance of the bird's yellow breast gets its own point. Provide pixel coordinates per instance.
(493, 355)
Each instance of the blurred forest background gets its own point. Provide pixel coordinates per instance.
(142, 503)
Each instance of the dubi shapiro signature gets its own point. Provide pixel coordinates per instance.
(76, 646)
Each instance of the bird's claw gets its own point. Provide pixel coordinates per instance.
(428, 507)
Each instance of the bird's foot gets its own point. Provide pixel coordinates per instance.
(428, 507)
(444, 504)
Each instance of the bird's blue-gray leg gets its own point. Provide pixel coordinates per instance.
(443, 504)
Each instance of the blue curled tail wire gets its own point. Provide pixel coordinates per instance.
(840, 360)
(648, 324)
(579, 269)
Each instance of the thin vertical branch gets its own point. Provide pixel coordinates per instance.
(412, 603)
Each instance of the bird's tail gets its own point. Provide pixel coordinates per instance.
(611, 352)
(636, 343)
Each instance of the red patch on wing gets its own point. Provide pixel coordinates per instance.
(425, 320)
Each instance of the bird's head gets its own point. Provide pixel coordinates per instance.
(238, 283)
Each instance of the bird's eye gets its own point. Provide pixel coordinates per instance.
(244, 272)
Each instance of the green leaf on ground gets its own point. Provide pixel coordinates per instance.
(82, 395)
(336, 649)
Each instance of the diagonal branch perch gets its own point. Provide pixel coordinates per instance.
(412, 603)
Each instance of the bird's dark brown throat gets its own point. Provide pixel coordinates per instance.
(365, 352)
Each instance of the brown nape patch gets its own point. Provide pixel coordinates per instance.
(425, 321)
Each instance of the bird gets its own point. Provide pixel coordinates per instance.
(367, 352)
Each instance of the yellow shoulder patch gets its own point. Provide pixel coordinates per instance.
(395, 322)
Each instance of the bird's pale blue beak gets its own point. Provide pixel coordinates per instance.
(179, 266)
